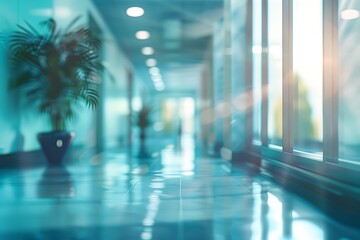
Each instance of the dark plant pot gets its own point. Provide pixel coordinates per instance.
(54, 145)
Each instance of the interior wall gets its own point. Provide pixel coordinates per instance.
(8, 15)
(18, 124)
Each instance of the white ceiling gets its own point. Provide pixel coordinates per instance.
(181, 33)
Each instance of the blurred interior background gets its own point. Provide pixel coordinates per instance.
(268, 82)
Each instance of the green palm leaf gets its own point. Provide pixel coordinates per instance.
(56, 69)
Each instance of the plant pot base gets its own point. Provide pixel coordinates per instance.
(54, 145)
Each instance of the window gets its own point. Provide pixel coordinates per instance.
(257, 61)
(308, 75)
(275, 72)
(348, 82)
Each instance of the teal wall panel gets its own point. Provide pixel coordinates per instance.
(8, 118)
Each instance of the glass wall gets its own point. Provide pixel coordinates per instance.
(256, 58)
(275, 72)
(238, 73)
(218, 77)
(308, 75)
(348, 81)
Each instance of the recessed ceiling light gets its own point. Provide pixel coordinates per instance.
(350, 14)
(147, 50)
(135, 11)
(151, 62)
(160, 88)
(159, 84)
(142, 35)
(156, 78)
(154, 71)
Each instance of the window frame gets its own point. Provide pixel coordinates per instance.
(328, 164)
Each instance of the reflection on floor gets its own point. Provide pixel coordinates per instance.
(174, 195)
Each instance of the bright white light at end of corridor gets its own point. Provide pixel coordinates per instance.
(135, 12)
(142, 35)
(147, 50)
(350, 14)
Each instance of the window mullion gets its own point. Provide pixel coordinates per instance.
(330, 98)
(249, 75)
(288, 93)
(264, 74)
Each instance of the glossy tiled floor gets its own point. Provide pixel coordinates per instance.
(171, 196)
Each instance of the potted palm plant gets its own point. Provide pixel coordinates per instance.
(56, 69)
(143, 121)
